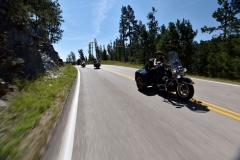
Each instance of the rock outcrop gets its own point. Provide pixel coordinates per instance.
(21, 47)
(21, 57)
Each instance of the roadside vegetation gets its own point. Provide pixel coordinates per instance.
(26, 27)
(26, 124)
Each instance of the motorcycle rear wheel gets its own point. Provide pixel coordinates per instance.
(140, 83)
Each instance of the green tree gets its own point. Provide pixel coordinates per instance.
(71, 58)
(81, 55)
(40, 20)
(123, 26)
(226, 16)
(179, 37)
(111, 51)
(153, 29)
(98, 52)
(104, 54)
(117, 50)
(78, 61)
(131, 25)
(136, 45)
(90, 55)
(144, 41)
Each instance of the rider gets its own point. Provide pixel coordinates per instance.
(159, 60)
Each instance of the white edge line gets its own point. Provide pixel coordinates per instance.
(216, 82)
(67, 143)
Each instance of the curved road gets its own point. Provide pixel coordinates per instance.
(114, 121)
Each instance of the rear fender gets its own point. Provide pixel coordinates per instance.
(142, 74)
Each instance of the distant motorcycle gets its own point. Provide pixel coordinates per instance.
(97, 64)
(83, 64)
(174, 79)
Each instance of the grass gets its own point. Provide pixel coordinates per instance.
(26, 124)
(137, 66)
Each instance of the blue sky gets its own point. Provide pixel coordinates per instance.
(89, 19)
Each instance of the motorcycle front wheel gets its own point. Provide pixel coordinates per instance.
(185, 91)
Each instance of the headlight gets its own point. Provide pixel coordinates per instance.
(184, 69)
(174, 71)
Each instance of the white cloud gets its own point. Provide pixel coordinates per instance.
(114, 35)
(76, 38)
(182, 7)
(101, 7)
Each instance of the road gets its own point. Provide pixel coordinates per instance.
(114, 121)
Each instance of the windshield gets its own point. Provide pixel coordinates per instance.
(174, 60)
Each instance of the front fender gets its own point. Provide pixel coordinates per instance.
(186, 80)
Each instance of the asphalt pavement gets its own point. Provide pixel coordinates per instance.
(114, 121)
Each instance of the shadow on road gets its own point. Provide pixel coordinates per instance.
(178, 103)
(175, 101)
(149, 91)
(237, 155)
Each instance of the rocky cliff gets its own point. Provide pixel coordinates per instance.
(16, 46)
(21, 46)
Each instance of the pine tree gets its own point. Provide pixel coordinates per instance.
(81, 55)
(123, 26)
(90, 55)
(104, 54)
(98, 54)
(71, 58)
(226, 16)
(153, 31)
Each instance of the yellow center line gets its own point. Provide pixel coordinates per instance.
(218, 107)
(213, 107)
(124, 75)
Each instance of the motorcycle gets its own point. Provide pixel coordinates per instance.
(174, 79)
(97, 64)
(83, 64)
